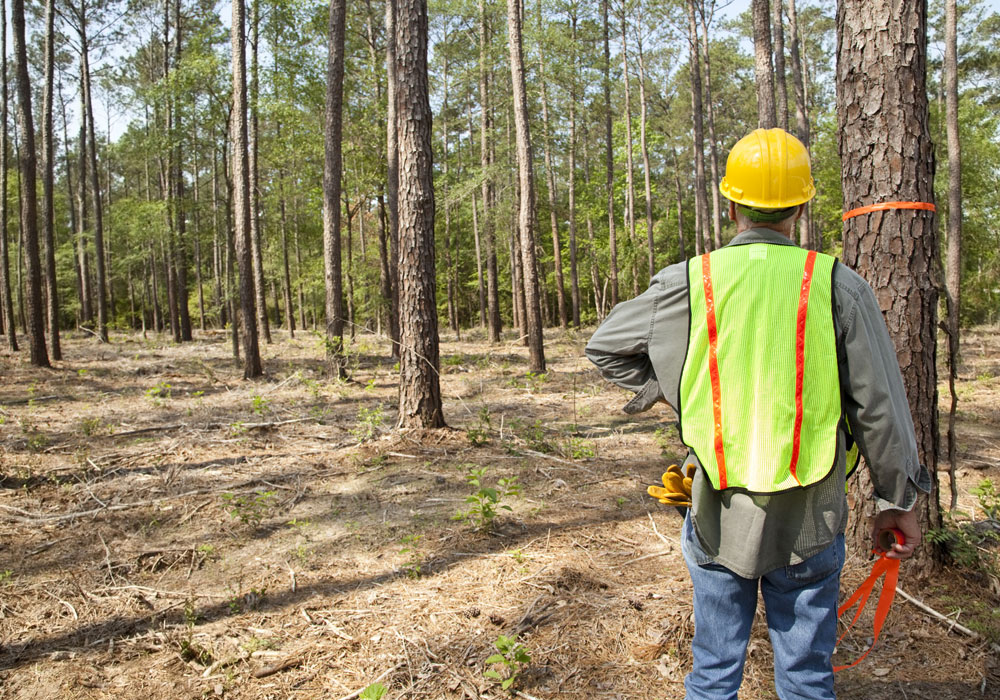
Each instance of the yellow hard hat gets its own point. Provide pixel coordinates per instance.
(768, 169)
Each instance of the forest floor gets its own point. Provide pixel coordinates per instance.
(169, 531)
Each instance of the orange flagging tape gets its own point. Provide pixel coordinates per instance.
(887, 566)
(888, 205)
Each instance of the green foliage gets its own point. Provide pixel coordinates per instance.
(511, 657)
(373, 692)
(534, 435)
(970, 544)
(5, 576)
(413, 557)
(666, 439)
(370, 421)
(250, 509)
(480, 435)
(259, 405)
(157, 393)
(579, 448)
(487, 501)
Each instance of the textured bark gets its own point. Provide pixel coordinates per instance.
(713, 145)
(629, 161)
(763, 70)
(48, 169)
(574, 274)
(701, 241)
(332, 171)
(887, 155)
(34, 312)
(256, 235)
(953, 274)
(551, 180)
(480, 280)
(609, 158)
(526, 182)
(10, 329)
(241, 196)
(392, 172)
(419, 385)
(680, 210)
(95, 184)
(486, 160)
(781, 88)
(801, 109)
(180, 260)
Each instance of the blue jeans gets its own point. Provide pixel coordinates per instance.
(801, 605)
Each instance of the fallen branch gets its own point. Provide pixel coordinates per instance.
(944, 618)
(283, 665)
(646, 556)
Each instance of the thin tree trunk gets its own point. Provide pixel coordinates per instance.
(701, 206)
(480, 284)
(35, 314)
(419, 386)
(286, 270)
(48, 169)
(609, 160)
(392, 172)
(332, 169)
(256, 236)
(197, 243)
(763, 71)
(886, 155)
(526, 210)
(779, 65)
(680, 209)
(574, 274)
(801, 110)
(644, 147)
(10, 327)
(241, 195)
(551, 180)
(180, 214)
(86, 308)
(486, 161)
(449, 263)
(954, 264)
(629, 162)
(713, 144)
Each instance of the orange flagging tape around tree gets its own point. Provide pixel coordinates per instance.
(888, 205)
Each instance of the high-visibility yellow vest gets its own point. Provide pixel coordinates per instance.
(759, 392)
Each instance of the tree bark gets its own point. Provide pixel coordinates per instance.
(801, 109)
(644, 147)
(629, 161)
(609, 161)
(10, 328)
(241, 196)
(486, 161)
(48, 170)
(332, 170)
(551, 180)
(392, 171)
(526, 208)
(887, 155)
(256, 235)
(713, 144)
(779, 65)
(34, 312)
(419, 385)
(180, 213)
(701, 240)
(953, 273)
(480, 280)
(573, 271)
(763, 70)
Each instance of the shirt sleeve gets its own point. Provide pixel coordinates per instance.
(622, 346)
(874, 398)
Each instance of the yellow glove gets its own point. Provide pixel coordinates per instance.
(676, 489)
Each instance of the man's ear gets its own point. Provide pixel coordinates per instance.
(732, 211)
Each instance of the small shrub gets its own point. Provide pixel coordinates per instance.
(480, 435)
(373, 692)
(158, 392)
(249, 509)
(487, 501)
(259, 405)
(370, 421)
(511, 656)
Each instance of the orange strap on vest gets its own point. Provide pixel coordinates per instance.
(884, 565)
(713, 367)
(800, 359)
(888, 205)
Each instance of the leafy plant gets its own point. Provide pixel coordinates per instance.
(373, 692)
(410, 548)
(579, 448)
(965, 540)
(666, 438)
(370, 422)
(480, 435)
(511, 656)
(259, 404)
(158, 392)
(487, 501)
(249, 509)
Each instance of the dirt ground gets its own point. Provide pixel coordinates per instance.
(169, 531)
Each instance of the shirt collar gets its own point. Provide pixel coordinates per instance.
(761, 235)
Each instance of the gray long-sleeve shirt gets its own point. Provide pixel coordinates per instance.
(641, 347)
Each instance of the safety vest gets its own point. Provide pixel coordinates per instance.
(759, 391)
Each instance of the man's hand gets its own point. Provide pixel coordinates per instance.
(903, 520)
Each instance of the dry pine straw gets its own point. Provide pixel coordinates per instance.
(130, 578)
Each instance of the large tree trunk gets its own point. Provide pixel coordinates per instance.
(392, 171)
(550, 178)
(256, 236)
(332, 169)
(34, 312)
(779, 65)
(954, 263)
(701, 240)
(419, 385)
(609, 158)
(241, 195)
(486, 161)
(10, 328)
(763, 70)
(180, 214)
(48, 169)
(526, 209)
(887, 155)
(801, 110)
